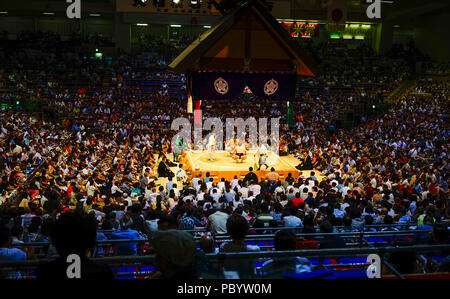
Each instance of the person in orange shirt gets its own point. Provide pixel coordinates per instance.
(272, 176)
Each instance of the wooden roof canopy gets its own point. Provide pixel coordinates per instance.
(247, 39)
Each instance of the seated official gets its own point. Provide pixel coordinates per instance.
(163, 168)
(250, 176)
(306, 163)
(181, 174)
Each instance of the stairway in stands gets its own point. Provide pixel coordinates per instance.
(403, 89)
(350, 115)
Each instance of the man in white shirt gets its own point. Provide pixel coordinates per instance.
(221, 185)
(217, 223)
(256, 189)
(373, 182)
(312, 177)
(209, 184)
(334, 181)
(215, 195)
(17, 149)
(211, 146)
(115, 189)
(279, 189)
(244, 192)
(200, 196)
(345, 189)
(303, 186)
(175, 190)
(169, 185)
(147, 193)
(196, 181)
(292, 220)
(344, 206)
(234, 182)
(188, 197)
(181, 174)
(250, 196)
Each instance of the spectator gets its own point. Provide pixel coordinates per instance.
(126, 233)
(330, 241)
(175, 255)
(291, 219)
(8, 253)
(237, 228)
(274, 268)
(217, 222)
(73, 234)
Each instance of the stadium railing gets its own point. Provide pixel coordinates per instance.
(403, 225)
(142, 266)
(265, 242)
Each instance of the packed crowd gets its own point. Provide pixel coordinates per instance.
(348, 67)
(105, 160)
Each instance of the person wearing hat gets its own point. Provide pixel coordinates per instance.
(13, 177)
(175, 254)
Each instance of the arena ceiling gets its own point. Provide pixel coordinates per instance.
(249, 34)
(401, 11)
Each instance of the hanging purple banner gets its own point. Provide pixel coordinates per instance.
(222, 86)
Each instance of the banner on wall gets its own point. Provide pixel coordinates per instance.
(301, 29)
(223, 86)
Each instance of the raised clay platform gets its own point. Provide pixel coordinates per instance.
(224, 166)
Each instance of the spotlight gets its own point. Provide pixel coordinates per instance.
(140, 2)
(195, 3)
(176, 4)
